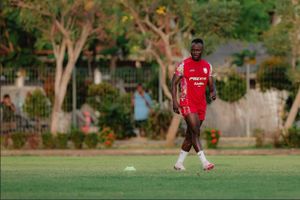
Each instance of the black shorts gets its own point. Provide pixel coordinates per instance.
(140, 123)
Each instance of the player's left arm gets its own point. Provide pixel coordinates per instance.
(211, 85)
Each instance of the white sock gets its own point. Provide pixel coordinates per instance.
(202, 157)
(182, 156)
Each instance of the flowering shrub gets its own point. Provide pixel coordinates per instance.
(107, 136)
(212, 137)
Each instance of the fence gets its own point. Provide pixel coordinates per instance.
(239, 110)
(19, 83)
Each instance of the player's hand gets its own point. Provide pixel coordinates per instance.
(176, 107)
(213, 96)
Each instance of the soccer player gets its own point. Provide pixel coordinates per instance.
(193, 74)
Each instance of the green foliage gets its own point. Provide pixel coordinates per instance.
(5, 140)
(91, 140)
(19, 140)
(231, 88)
(107, 136)
(294, 137)
(18, 41)
(282, 39)
(277, 40)
(77, 137)
(101, 94)
(153, 84)
(212, 137)
(158, 123)
(61, 140)
(254, 19)
(115, 109)
(215, 21)
(273, 73)
(37, 105)
(259, 137)
(48, 140)
(239, 59)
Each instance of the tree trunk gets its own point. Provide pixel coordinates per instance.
(63, 76)
(54, 116)
(294, 110)
(172, 131)
(60, 92)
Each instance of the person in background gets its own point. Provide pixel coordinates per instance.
(142, 106)
(8, 109)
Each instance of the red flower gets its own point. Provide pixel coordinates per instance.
(111, 136)
(213, 135)
(107, 143)
(213, 131)
(214, 141)
(85, 129)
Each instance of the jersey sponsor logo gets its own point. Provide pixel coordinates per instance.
(192, 70)
(205, 70)
(195, 78)
(199, 84)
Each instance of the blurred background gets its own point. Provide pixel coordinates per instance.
(71, 68)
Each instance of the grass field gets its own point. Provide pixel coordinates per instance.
(30, 177)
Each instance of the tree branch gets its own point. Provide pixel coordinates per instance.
(37, 8)
(163, 74)
(135, 16)
(155, 29)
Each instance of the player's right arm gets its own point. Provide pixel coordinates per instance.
(175, 81)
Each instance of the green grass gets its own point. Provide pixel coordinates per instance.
(239, 177)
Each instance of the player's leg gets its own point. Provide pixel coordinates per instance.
(195, 123)
(187, 143)
(185, 148)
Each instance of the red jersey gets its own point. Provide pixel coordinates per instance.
(195, 75)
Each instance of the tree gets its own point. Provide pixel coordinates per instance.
(254, 19)
(17, 44)
(67, 25)
(162, 30)
(285, 33)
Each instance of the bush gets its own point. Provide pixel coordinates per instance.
(259, 137)
(91, 140)
(294, 137)
(77, 137)
(231, 88)
(33, 140)
(277, 140)
(19, 140)
(273, 73)
(158, 123)
(115, 109)
(101, 94)
(212, 137)
(107, 136)
(5, 140)
(277, 40)
(37, 106)
(48, 140)
(61, 140)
